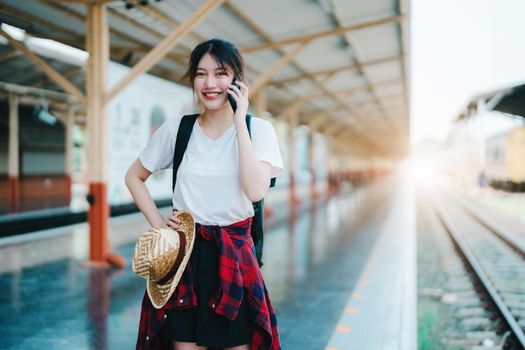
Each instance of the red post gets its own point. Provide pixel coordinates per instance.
(14, 193)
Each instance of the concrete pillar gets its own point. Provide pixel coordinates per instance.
(13, 154)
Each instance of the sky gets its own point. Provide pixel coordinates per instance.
(460, 48)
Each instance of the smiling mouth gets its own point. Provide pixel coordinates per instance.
(211, 94)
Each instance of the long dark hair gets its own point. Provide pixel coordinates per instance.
(224, 52)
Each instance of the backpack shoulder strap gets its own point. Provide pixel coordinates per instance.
(248, 122)
(183, 136)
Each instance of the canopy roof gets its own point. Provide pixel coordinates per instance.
(509, 100)
(341, 65)
(512, 101)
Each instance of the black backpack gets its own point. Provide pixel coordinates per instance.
(183, 136)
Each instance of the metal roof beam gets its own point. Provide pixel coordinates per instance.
(337, 70)
(162, 17)
(277, 66)
(363, 101)
(340, 103)
(363, 120)
(297, 103)
(267, 37)
(36, 92)
(45, 67)
(372, 112)
(146, 48)
(69, 74)
(321, 34)
(251, 24)
(164, 47)
(317, 121)
(24, 16)
(353, 143)
(141, 46)
(16, 72)
(350, 92)
(334, 126)
(9, 54)
(369, 84)
(74, 14)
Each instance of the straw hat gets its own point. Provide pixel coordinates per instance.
(161, 255)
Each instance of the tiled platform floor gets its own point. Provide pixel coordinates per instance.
(313, 260)
(380, 312)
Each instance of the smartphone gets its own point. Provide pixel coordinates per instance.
(231, 99)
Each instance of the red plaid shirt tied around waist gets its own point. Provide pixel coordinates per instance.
(240, 277)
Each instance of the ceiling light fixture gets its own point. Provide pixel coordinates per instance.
(131, 3)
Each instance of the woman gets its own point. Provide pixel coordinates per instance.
(221, 301)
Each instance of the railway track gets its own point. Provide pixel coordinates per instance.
(491, 310)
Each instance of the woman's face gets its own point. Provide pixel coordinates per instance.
(211, 83)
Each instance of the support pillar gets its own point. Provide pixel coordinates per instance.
(70, 123)
(97, 36)
(294, 121)
(261, 107)
(315, 124)
(313, 169)
(13, 155)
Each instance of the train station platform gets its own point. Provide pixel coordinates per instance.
(340, 272)
(381, 310)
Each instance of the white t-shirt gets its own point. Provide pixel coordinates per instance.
(208, 182)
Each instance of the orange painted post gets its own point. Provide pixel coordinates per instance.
(268, 212)
(69, 183)
(14, 193)
(97, 42)
(98, 216)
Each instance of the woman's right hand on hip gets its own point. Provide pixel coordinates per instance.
(172, 221)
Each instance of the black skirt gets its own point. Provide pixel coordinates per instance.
(201, 324)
